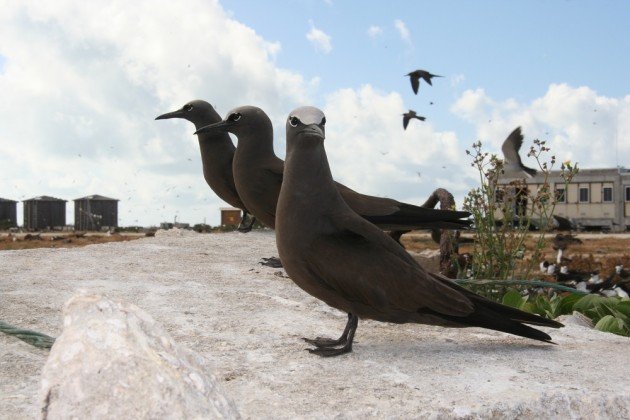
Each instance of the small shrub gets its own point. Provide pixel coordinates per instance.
(503, 215)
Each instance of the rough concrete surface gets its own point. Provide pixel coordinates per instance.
(212, 296)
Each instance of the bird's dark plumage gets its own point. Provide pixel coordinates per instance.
(258, 174)
(407, 116)
(339, 257)
(415, 77)
(562, 242)
(510, 149)
(217, 153)
(563, 223)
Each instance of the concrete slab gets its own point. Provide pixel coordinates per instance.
(211, 295)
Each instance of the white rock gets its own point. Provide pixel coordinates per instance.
(428, 259)
(576, 319)
(114, 361)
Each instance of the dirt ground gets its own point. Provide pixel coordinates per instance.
(596, 252)
(14, 241)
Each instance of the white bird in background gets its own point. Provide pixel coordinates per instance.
(510, 148)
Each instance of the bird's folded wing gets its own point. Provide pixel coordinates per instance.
(376, 271)
(366, 205)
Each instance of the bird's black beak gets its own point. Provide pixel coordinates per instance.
(219, 127)
(313, 130)
(174, 114)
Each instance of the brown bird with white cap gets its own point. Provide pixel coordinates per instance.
(337, 256)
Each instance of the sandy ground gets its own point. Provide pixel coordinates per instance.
(212, 296)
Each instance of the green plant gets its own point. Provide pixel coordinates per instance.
(609, 314)
(503, 214)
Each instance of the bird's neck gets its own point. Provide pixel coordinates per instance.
(256, 143)
(217, 154)
(307, 180)
(214, 145)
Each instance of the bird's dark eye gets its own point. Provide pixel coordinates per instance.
(323, 121)
(294, 121)
(235, 117)
(188, 107)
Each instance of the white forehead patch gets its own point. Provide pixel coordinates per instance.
(308, 115)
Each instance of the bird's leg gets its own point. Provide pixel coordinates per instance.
(273, 262)
(326, 347)
(396, 234)
(246, 225)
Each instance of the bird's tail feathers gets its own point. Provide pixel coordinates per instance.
(498, 317)
(506, 311)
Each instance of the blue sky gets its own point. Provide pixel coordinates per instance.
(82, 83)
(512, 49)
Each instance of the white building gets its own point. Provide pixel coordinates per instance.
(594, 199)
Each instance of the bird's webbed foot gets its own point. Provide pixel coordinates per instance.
(272, 262)
(331, 351)
(328, 347)
(326, 342)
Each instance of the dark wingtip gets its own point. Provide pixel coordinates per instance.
(530, 171)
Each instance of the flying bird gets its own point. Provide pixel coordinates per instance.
(415, 77)
(258, 175)
(409, 115)
(335, 255)
(217, 153)
(510, 148)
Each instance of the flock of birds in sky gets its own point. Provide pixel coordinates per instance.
(415, 77)
(510, 148)
(335, 243)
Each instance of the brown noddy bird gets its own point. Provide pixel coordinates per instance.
(337, 256)
(407, 116)
(415, 77)
(217, 153)
(258, 175)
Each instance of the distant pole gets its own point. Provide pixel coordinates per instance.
(617, 140)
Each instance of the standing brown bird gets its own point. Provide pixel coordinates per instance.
(415, 77)
(217, 153)
(409, 115)
(335, 255)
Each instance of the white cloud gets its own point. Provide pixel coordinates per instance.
(369, 150)
(320, 40)
(374, 31)
(402, 30)
(457, 79)
(577, 123)
(83, 122)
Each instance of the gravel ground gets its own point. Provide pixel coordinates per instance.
(212, 296)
